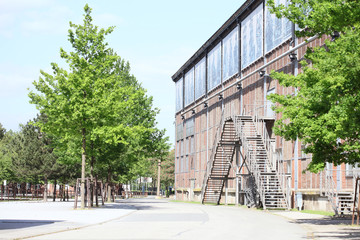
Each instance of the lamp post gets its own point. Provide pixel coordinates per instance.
(158, 180)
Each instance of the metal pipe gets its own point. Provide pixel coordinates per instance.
(252, 73)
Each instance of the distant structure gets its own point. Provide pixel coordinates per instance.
(226, 151)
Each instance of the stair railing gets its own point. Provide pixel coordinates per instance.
(251, 158)
(330, 191)
(275, 165)
(212, 156)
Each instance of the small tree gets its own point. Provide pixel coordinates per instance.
(168, 171)
(34, 157)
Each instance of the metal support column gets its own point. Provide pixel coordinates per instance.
(237, 149)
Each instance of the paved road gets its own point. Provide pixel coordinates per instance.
(156, 219)
(159, 219)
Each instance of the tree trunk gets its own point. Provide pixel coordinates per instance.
(108, 193)
(67, 194)
(96, 192)
(45, 189)
(92, 175)
(109, 186)
(54, 192)
(102, 193)
(83, 161)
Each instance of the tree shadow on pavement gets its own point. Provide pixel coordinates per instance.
(20, 223)
(341, 234)
(332, 228)
(325, 221)
(127, 205)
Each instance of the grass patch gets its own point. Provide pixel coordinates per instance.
(324, 213)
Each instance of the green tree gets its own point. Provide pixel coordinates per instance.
(2, 131)
(319, 16)
(6, 154)
(97, 102)
(325, 111)
(33, 159)
(167, 174)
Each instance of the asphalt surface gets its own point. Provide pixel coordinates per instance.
(149, 218)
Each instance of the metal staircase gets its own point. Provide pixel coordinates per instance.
(341, 202)
(268, 176)
(218, 167)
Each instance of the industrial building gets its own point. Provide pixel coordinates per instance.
(226, 151)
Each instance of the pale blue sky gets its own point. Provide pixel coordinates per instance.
(156, 37)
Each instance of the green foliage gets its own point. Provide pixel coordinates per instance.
(2, 131)
(319, 16)
(167, 173)
(97, 108)
(34, 158)
(6, 167)
(324, 112)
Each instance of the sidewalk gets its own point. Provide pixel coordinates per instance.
(323, 227)
(19, 220)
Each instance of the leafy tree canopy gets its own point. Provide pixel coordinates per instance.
(2, 131)
(319, 16)
(325, 110)
(6, 155)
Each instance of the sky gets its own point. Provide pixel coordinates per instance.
(156, 37)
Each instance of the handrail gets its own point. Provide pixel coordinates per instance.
(330, 191)
(213, 151)
(276, 165)
(272, 165)
(254, 168)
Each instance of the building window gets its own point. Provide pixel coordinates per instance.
(200, 76)
(182, 156)
(190, 127)
(179, 94)
(179, 132)
(276, 30)
(189, 87)
(192, 145)
(182, 147)
(192, 164)
(189, 143)
(351, 170)
(252, 37)
(214, 67)
(231, 54)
